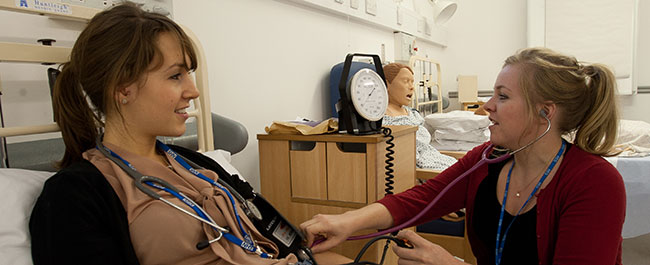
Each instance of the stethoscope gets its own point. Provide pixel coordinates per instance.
(490, 155)
(140, 180)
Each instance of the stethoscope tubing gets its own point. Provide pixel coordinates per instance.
(209, 220)
(408, 223)
(484, 160)
(140, 180)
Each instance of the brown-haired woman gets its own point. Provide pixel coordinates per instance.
(553, 202)
(134, 67)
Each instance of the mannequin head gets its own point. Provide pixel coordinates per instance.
(399, 78)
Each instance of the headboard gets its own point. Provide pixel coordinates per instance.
(200, 137)
(428, 88)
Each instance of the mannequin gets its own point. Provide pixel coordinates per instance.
(400, 80)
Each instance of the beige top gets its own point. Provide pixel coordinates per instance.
(161, 234)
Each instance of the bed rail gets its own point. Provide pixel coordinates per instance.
(424, 69)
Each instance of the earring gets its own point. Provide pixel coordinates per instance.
(124, 101)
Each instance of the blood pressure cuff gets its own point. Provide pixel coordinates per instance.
(272, 225)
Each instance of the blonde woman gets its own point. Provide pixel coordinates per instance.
(554, 202)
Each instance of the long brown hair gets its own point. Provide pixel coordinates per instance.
(118, 46)
(585, 93)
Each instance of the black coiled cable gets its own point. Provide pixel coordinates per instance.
(357, 260)
(389, 190)
(389, 159)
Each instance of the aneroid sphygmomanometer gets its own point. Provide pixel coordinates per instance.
(268, 221)
(363, 98)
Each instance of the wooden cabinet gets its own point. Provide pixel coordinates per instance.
(304, 175)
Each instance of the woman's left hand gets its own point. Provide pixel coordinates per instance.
(423, 251)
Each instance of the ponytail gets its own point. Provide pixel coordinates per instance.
(76, 120)
(597, 132)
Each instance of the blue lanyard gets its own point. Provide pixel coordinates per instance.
(502, 240)
(247, 244)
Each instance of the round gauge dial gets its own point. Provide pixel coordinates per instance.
(369, 95)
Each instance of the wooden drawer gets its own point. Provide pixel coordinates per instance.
(308, 170)
(324, 171)
(346, 174)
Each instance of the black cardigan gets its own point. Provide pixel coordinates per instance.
(79, 219)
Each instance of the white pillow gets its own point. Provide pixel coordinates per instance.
(223, 158)
(457, 119)
(20, 189)
(633, 138)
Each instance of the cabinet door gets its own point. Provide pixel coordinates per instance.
(308, 170)
(346, 175)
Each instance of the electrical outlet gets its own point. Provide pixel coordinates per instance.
(354, 4)
(371, 7)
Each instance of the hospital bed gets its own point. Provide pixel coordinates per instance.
(22, 183)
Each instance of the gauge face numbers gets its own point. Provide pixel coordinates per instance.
(369, 95)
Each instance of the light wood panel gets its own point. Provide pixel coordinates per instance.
(346, 175)
(308, 174)
(426, 174)
(457, 246)
(455, 154)
(32, 53)
(398, 130)
(274, 161)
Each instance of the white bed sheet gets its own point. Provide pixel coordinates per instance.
(636, 176)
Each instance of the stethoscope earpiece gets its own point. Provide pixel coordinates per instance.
(543, 113)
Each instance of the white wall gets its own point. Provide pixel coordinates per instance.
(643, 44)
(270, 60)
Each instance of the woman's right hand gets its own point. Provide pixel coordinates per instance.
(333, 229)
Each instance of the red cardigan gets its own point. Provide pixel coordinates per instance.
(580, 213)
